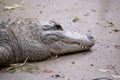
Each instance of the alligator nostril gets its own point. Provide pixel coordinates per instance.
(89, 37)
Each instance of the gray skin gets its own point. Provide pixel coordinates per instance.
(38, 41)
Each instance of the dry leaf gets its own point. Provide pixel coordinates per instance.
(29, 19)
(115, 76)
(103, 70)
(11, 7)
(53, 57)
(102, 79)
(47, 71)
(109, 24)
(75, 19)
(14, 67)
(31, 68)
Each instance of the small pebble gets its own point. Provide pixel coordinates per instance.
(41, 12)
(91, 65)
(73, 62)
(116, 30)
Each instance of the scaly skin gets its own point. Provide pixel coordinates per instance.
(38, 41)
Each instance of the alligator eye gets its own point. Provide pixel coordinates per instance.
(58, 27)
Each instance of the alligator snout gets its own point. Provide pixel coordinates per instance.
(90, 37)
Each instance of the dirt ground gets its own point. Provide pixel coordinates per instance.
(101, 18)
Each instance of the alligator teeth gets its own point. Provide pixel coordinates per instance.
(82, 46)
(85, 46)
(69, 42)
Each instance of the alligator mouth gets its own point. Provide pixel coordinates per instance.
(83, 46)
(68, 47)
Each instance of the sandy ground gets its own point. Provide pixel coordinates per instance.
(93, 15)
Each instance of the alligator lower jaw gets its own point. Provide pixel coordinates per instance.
(83, 46)
(71, 49)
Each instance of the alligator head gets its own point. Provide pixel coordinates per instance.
(62, 41)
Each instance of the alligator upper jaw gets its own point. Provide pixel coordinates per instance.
(70, 37)
(80, 44)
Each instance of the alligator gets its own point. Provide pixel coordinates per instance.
(38, 41)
